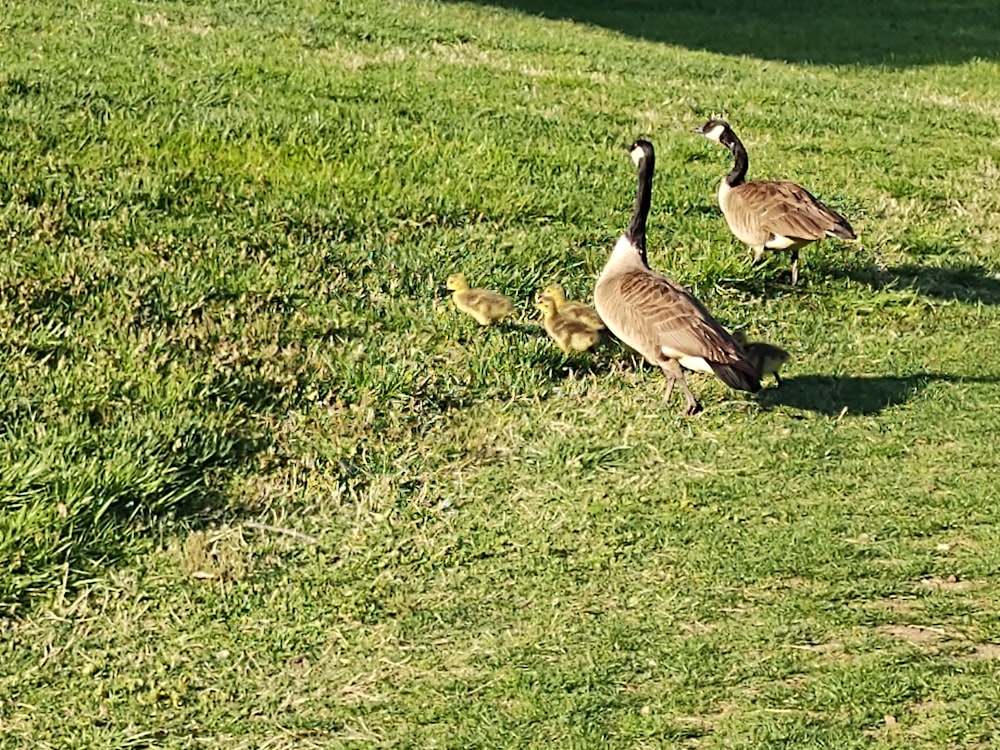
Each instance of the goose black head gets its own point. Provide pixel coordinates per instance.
(641, 150)
(718, 131)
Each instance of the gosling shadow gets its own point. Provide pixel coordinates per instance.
(473, 333)
(601, 360)
(340, 334)
(530, 329)
(548, 357)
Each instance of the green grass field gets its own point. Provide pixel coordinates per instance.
(263, 487)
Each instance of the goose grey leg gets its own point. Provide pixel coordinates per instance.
(758, 256)
(795, 267)
(670, 386)
(672, 369)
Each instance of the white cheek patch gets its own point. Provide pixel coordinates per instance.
(715, 134)
(637, 155)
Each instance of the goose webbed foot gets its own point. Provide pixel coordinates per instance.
(691, 405)
(691, 408)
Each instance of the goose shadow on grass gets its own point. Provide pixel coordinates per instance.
(865, 395)
(969, 283)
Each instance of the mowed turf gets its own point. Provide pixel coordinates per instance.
(263, 486)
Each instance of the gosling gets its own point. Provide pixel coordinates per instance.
(570, 335)
(571, 309)
(485, 306)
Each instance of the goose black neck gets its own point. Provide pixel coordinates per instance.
(636, 231)
(740, 161)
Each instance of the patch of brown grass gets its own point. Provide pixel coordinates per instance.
(949, 583)
(215, 555)
(917, 635)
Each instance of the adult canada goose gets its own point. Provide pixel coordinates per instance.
(770, 214)
(568, 333)
(768, 358)
(483, 305)
(656, 316)
(571, 309)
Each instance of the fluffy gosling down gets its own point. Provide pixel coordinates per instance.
(485, 306)
(571, 309)
(569, 334)
(767, 358)
(770, 214)
(659, 318)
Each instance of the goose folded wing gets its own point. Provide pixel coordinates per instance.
(659, 314)
(789, 210)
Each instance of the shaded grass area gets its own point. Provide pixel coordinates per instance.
(262, 486)
(891, 34)
(973, 284)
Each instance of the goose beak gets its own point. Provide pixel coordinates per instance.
(698, 130)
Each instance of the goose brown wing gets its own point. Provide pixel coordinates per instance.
(789, 210)
(655, 312)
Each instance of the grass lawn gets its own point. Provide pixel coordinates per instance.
(261, 486)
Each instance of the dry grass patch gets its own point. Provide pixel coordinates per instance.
(895, 604)
(986, 651)
(215, 555)
(159, 20)
(949, 583)
(917, 635)
(941, 639)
